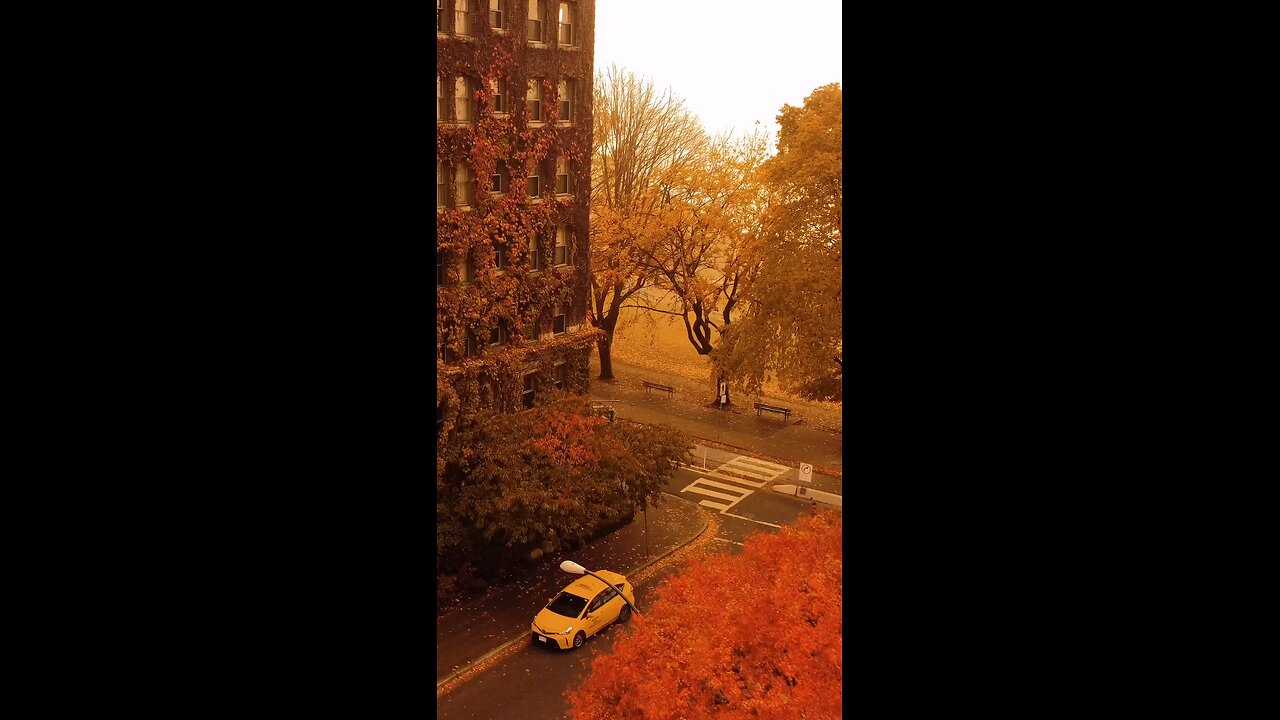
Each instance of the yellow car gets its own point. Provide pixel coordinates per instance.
(583, 609)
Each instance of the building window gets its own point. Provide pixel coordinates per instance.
(498, 335)
(463, 184)
(441, 113)
(499, 256)
(462, 13)
(566, 23)
(470, 344)
(464, 94)
(567, 88)
(533, 99)
(534, 183)
(530, 389)
(562, 376)
(536, 14)
(496, 15)
(446, 353)
(564, 180)
(499, 180)
(558, 324)
(535, 255)
(562, 246)
(439, 15)
(439, 184)
(439, 269)
(499, 87)
(468, 269)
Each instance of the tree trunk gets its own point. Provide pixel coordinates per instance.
(606, 357)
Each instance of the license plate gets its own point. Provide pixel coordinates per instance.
(542, 638)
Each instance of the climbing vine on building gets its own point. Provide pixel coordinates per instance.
(499, 297)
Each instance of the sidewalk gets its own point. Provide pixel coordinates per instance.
(464, 636)
(770, 435)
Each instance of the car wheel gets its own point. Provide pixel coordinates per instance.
(624, 613)
(579, 639)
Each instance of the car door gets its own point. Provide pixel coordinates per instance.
(596, 612)
(608, 611)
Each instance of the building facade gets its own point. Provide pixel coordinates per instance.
(513, 187)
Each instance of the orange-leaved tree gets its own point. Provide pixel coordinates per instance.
(706, 253)
(757, 635)
(794, 329)
(641, 136)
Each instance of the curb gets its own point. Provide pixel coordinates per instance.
(471, 665)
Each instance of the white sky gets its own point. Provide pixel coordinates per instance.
(733, 61)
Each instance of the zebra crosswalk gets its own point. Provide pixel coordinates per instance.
(730, 483)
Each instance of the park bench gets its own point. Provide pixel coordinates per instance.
(785, 412)
(656, 386)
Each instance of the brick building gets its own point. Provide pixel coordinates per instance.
(513, 154)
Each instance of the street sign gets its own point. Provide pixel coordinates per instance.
(806, 472)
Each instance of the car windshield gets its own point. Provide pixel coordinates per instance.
(567, 604)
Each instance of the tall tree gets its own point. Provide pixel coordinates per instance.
(767, 643)
(705, 256)
(641, 135)
(794, 329)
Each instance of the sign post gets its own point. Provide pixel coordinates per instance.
(806, 472)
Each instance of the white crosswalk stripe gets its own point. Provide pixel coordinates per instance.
(734, 481)
(696, 487)
(722, 476)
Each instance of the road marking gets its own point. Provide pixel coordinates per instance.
(744, 481)
(753, 472)
(693, 487)
(735, 542)
(763, 464)
(724, 486)
(723, 512)
(762, 471)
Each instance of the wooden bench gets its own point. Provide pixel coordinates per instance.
(785, 412)
(656, 386)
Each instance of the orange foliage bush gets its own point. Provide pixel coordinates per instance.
(757, 635)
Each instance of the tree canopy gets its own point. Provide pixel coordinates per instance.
(757, 635)
(555, 473)
(794, 327)
(641, 138)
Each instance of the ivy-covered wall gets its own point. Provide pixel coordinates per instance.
(518, 298)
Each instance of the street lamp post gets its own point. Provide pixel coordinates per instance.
(570, 566)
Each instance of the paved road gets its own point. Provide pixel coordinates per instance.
(531, 683)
